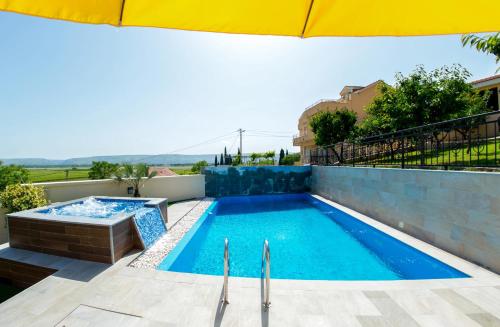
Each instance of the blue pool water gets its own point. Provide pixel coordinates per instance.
(150, 225)
(96, 208)
(308, 240)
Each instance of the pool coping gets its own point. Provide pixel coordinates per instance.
(475, 272)
(111, 221)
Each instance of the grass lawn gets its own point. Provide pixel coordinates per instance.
(37, 175)
(483, 155)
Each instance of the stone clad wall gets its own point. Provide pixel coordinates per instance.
(222, 181)
(456, 211)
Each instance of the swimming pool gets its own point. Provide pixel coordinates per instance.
(309, 239)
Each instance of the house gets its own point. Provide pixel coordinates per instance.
(354, 98)
(492, 86)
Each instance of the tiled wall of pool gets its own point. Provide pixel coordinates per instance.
(223, 181)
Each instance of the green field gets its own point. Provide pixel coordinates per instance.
(182, 170)
(37, 175)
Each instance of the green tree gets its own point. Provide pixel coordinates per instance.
(216, 163)
(198, 166)
(221, 161)
(270, 155)
(282, 155)
(12, 174)
(254, 156)
(226, 159)
(102, 170)
(423, 98)
(488, 44)
(134, 175)
(330, 128)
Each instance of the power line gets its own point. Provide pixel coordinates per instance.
(206, 142)
(213, 140)
(272, 132)
(239, 132)
(262, 135)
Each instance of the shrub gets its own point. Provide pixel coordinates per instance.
(134, 176)
(198, 166)
(290, 159)
(19, 197)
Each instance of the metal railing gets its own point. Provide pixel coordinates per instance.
(266, 271)
(226, 271)
(472, 141)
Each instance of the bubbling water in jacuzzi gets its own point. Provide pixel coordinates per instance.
(97, 208)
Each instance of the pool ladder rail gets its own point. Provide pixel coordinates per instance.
(225, 300)
(266, 271)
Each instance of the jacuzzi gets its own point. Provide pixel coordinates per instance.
(98, 228)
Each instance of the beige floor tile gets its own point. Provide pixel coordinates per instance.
(485, 319)
(458, 301)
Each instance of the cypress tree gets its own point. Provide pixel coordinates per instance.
(215, 162)
(225, 157)
(282, 155)
(221, 160)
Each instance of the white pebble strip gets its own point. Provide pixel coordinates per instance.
(152, 257)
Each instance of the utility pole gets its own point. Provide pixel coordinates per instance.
(241, 140)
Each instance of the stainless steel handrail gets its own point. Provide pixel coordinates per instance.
(226, 270)
(266, 260)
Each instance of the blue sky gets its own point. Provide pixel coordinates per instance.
(71, 90)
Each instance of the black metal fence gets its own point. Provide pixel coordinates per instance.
(472, 141)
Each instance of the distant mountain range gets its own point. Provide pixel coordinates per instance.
(163, 159)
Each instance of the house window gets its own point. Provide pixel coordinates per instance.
(493, 99)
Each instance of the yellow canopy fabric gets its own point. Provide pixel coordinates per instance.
(304, 18)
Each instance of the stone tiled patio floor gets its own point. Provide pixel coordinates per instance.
(91, 294)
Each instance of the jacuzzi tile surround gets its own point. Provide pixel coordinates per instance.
(95, 239)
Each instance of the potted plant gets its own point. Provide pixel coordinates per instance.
(134, 175)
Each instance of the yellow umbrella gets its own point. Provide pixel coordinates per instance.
(304, 18)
